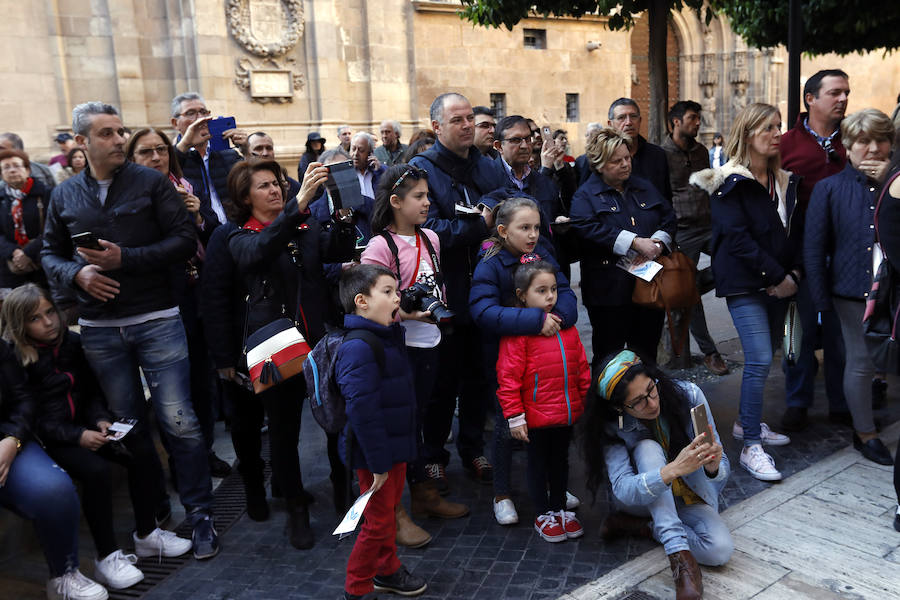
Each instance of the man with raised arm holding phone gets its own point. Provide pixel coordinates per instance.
(129, 316)
(206, 169)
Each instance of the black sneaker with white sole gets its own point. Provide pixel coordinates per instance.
(402, 582)
(205, 538)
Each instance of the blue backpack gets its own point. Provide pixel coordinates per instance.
(328, 405)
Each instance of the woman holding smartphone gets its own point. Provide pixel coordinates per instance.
(638, 428)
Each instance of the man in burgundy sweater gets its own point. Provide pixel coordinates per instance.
(813, 150)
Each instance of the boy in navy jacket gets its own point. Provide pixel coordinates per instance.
(381, 415)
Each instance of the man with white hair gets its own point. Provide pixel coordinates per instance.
(368, 168)
(390, 150)
(345, 133)
(582, 168)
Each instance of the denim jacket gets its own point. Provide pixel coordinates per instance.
(641, 489)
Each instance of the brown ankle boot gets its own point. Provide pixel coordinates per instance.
(426, 501)
(686, 573)
(408, 533)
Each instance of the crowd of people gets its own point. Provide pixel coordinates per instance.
(451, 280)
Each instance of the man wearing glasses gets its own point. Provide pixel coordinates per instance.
(206, 170)
(647, 160)
(514, 146)
(813, 150)
(484, 130)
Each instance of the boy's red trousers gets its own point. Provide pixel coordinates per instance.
(375, 550)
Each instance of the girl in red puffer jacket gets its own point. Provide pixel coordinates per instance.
(542, 385)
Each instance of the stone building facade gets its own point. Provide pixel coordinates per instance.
(292, 66)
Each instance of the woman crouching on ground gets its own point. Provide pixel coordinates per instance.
(638, 427)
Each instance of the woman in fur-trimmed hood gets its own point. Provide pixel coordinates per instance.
(756, 261)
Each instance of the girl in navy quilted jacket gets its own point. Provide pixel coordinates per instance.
(542, 385)
(496, 312)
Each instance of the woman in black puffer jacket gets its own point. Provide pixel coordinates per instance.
(279, 251)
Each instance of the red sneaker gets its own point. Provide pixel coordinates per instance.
(569, 524)
(549, 527)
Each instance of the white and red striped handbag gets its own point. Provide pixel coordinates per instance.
(275, 352)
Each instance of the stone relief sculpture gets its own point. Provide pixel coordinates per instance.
(709, 79)
(268, 29)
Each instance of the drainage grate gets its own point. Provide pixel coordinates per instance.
(228, 506)
(638, 595)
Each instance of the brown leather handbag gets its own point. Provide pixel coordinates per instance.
(675, 287)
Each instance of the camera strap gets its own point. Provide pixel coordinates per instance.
(435, 262)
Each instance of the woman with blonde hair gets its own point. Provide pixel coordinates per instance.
(756, 261)
(838, 249)
(614, 213)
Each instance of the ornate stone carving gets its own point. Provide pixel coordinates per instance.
(265, 28)
(709, 105)
(739, 99)
(270, 80)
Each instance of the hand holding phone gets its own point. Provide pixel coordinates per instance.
(701, 423)
(86, 239)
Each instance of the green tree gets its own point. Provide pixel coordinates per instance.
(494, 13)
(841, 26)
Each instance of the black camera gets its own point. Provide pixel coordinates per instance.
(420, 296)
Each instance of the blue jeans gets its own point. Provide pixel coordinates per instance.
(40, 491)
(800, 379)
(759, 320)
(679, 526)
(159, 348)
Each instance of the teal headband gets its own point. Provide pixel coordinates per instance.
(614, 371)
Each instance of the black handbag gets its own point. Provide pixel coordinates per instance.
(880, 320)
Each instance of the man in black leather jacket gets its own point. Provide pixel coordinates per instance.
(129, 316)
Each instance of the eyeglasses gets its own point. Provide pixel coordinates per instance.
(515, 141)
(641, 401)
(194, 113)
(623, 117)
(485, 125)
(416, 173)
(12, 166)
(148, 152)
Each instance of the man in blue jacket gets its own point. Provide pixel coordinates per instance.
(458, 176)
(129, 315)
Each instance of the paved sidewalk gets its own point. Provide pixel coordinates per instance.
(824, 533)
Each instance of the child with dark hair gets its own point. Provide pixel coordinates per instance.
(412, 253)
(542, 384)
(381, 418)
(495, 310)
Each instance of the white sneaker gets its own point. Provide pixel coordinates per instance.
(572, 501)
(759, 464)
(161, 543)
(117, 571)
(75, 586)
(768, 437)
(505, 512)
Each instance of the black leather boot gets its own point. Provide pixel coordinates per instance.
(299, 531)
